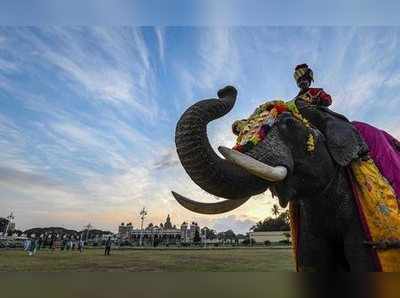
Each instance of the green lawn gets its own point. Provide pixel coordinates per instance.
(150, 260)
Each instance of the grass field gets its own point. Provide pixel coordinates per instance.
(149, 260)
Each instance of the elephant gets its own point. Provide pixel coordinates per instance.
(331, 235)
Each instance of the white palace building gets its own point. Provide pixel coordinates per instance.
(165, 233)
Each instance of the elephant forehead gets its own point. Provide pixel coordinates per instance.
(273, 151)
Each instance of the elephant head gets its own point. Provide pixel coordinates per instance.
(280, 162)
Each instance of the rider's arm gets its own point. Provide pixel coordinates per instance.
(324, 98)
(319, 97)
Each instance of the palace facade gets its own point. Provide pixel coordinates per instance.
(163, 233)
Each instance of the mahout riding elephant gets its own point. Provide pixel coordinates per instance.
(331, 234)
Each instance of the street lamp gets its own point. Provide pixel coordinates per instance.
(143, 214)
(9, 218)
(88, 227)
(204, 237)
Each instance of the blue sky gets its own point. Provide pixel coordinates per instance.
(200, 12)
(87, 114)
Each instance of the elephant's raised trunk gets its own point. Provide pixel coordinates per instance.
(215, 175)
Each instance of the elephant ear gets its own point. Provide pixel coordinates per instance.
(343, 141)
(342, 138)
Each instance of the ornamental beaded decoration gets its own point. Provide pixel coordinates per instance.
(253, 130)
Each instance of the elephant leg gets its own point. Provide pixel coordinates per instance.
(358, 255)
(315, 254)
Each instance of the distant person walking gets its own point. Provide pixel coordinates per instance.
(39, 243)
(108, 247)
(51, 245)
(81, 245)
(64, 244)
(27, 244)
(67, 247)
(32, 247)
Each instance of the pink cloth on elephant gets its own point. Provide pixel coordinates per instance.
(384, 150)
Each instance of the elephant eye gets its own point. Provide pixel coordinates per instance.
(288, 122)
(288, 126)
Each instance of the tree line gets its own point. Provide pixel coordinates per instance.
(279, 221)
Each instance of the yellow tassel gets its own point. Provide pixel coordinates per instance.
(310, 143)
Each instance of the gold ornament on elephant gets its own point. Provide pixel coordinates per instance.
(254, 129)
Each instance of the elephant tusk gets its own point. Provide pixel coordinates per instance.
(209, 208)
(255, 167)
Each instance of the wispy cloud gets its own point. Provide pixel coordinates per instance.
(160, 32)
(111, 65)
(214, 64)
(233, 222)
(2, 41)
(218, 52)
(109, 84)
(393, 81)
(6, 65)
(13, 144)
(11, 176)
(167, 159)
